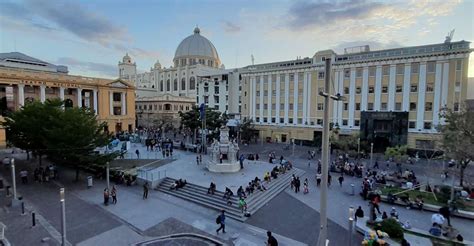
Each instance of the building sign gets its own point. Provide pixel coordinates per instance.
(51, 84)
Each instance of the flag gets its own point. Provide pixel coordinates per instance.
(202, 111)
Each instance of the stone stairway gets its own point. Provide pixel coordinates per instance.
(198, 194)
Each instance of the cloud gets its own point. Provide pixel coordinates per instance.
(231, 27)
(102, 69)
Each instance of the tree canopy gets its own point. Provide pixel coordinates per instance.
(246, 129)
(214, 119)
(68, 136)
(458, 137)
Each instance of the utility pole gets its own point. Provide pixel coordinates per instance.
(12, 165)
(324, 162)
(358, 147)
(108, 175)
(62, 200)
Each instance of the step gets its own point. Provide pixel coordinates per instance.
(202, 190)
(230, 214)
(204, 197)
(285, 179)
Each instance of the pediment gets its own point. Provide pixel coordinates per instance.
(119, 84)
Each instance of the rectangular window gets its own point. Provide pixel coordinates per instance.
(320, 75)
(414, 88)
(258, 93)
(282, 120)
(344, 122)
(456, 107)
(346, 106)
(265, 93)
(216, 99)
(274, 93)
(216, 89)
(386, 70)
(358, 90)
(265, 106)
(383, 106)
(384, 89)
(429, 87)
(399, 88)
(117, 110)
(357, 106)
(359, 72)
(427, 125)
(282, 106)
(265, 120)
(372, 71)
(400, 68)
(458, 65)
(356, 122)
(291, 106)
(431, 67)
(415, 67)
(257, 106)
(371, 89)
(370, 106)
(300, 107)
(117, 97)
(300, 92)
(257, 119)
(320, 89)
(320, 106)
(398, 106)
(347, 73)
(273, 120)
(412, 106)
(411, 125)
(319, 121)
(428, 106)
(346, 90)
(300, 121)
(273, 106)
(290, 120)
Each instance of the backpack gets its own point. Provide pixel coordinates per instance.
(218, 219)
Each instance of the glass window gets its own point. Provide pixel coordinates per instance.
(346, 106)
(429, 87)
(346, 90)
(412, 125)
(399, 88)
(415, 67)
(456, 107)
(370, 106)
(344, 122)
(458, 65)
(319, 121)
(117, 96)
(183, 84)
(386, 70)
(431, 67)
(412, 106)
(291, 106)
(359, 72)
(320, 75)
(413, 88)
(320, 106)
(400, 68)
(356, 122)
(372, 71)
(168, 85)
(265, 106)
(357, 106)
(257, 106)
(358, 90)
(192, 83)
(384, 106)
(371, 89)
(384, 89)
(427, 125)
(282, 120)
(290, 120)
(428, 106)
(398, 106)
(347, 73)
(175, 84)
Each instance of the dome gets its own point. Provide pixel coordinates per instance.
(197, 46)
(127, 59)
(157, 64)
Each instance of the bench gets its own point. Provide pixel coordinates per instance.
(426, 234)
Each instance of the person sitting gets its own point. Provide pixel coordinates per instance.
(242, 205)
(394, 213)
(241, 192)
(228, 193)
(267, 177)
(419, 202)
(384, 215)
(174, 185)
(249, 188)
(407, 225)
(211, 189)
(391, 198)
(435, 230)
(406, 200)
(274, 174)
(181, 183)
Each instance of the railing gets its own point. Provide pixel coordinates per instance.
(151, 175)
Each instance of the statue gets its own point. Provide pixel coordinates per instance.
(224, 153)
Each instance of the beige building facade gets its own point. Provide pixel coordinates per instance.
(162, 110)
(283, 98)
(24, 79)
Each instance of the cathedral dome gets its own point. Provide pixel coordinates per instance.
(196, 49)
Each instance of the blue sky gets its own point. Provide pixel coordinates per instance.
(91, 36)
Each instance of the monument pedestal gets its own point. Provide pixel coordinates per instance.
(224, 154)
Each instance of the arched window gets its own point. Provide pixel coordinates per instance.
(183, 84)
(68, 103)
(161, 85)
(167, 107)
(192, 83)
(175, 84)
(168, 85)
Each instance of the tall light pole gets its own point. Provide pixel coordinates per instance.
(12, 164)
(351, 224)
(358, 147)
(322, 240)
(62, 200)
(371, 153)
(108, 175)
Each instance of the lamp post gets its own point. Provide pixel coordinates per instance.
(108, 175)
(351, 224)
(12, 164)
(62, 200)
(371, 153)
(358, 147)
(322, 240)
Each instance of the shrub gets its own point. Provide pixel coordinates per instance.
(391, 227)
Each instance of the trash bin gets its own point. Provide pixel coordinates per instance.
(352, 189)
(89, 181)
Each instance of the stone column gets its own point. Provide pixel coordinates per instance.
(61, 93)
(79, 97)
(95, 101)
(124, 103)
(42, 93)
(111, 102)
(21, 95)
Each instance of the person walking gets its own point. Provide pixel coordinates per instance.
(305, 186)
(318, 179)
(137, 152)
(376, 165)
(197, 160)
(114, 195)
(329, 180)
(298, 184)
(221, 220)
(271, 241)
(145, 190)
(24, 176)
(256, 157)
(106, 197)
(341, 179)
(359, 213)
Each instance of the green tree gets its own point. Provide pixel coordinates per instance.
(67, 136)
(246, 129)
(214, 120)
(398, 153)
(458, 137)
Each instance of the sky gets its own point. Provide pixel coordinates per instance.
(91, 36)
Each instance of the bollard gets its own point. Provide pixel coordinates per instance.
(33, 217)
(352, 189)
(22, 208)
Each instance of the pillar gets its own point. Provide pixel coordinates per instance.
(21, 95)
(124, 103)
(61, 93)
(79, 97)
(111, 102)
(42, 93)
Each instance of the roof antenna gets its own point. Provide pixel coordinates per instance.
(450, 36)
(253, 59)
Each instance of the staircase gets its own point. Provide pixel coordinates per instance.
(198, 194)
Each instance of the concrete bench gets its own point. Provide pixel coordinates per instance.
(426, 234)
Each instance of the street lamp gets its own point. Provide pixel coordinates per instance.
(62, 200)
(108, 175)
(358, 147)
(322, 240)
(371, 153)
(351, 224)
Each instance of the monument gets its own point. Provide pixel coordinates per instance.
(224, 153)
